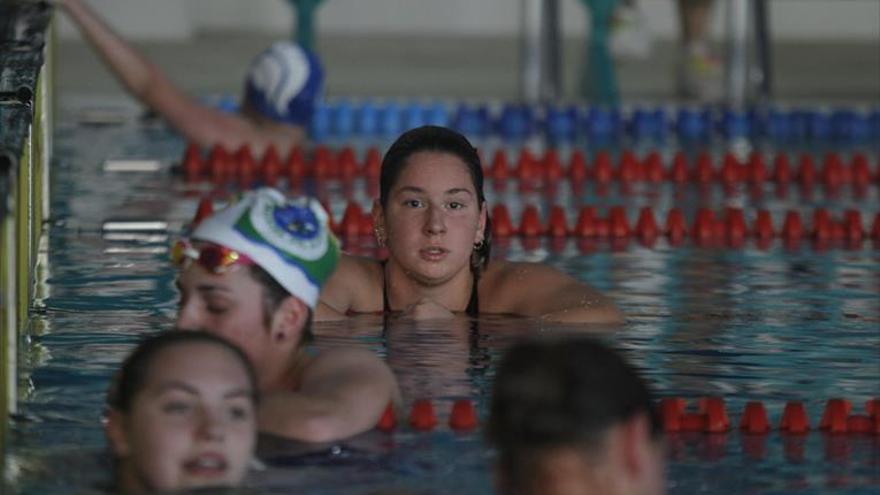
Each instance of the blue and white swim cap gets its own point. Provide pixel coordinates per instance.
(288, 237)
(284, 82)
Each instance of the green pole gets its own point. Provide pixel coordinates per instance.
(598, 82)
(305, 22)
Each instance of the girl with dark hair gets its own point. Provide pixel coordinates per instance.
(570, 416)
(182, 414)
(432, 216)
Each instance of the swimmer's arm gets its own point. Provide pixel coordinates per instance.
(325, 312)
(532, 289)
(343, 393)
(146, 82)
(352, 276)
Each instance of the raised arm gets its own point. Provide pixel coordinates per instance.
(534, 289)
(344, 392)
(146, 82)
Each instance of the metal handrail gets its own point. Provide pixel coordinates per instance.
(24, 124)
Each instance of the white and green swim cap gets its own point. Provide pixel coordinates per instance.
(288, 237)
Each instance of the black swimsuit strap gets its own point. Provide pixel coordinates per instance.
(385, 308)
(473, 307)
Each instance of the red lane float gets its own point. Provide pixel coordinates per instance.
(653, 168)
(422, 415)
(347, 164)
(502, 226)
(794, 418)
(729, 169)
(192, 163)
(678, 173)
(530, 223)
(646, 226)
(246, 168)
(577, 168)
(372, 164)
(835, 415)
(355, 222)
(296, 166)
(585, 225)
(500, 170)
(754, 418)
(553, 170)
(732, 228)
(219, 164)
(388, 420)
(602, 170)
(203, 211)
(710, 417)
(270, 166)
(557, 225)
(463, 416)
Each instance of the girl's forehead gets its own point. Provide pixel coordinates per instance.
(195, 356)
(234, 278)
(434, 166)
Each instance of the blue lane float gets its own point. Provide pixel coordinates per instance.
(511, 122)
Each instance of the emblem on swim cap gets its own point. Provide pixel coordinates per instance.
(294, 228)
(288, 237)
(297, 221)
(284, 82)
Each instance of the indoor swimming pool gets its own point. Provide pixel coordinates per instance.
(790, 318)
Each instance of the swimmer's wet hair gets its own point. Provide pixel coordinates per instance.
(131, 377)
(441, 140)
(562, 393)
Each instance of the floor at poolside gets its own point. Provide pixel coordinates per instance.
(475, 68)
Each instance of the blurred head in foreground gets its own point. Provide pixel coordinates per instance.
(570, 416)
(182, 415)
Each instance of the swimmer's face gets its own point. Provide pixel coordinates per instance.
(433, 217)
(192, 424)
(229, 305)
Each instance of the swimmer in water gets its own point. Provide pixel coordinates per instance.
(251, 273)
(283, 84)
(570, 416)
(182, 415)
(432, 216)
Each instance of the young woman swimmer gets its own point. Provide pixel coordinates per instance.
(432, 216)
(182, 414)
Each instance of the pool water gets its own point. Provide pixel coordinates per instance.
(772, 324)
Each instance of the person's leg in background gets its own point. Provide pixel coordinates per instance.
(630, 36)
(699, 74)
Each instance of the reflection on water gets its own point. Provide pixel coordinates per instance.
(774, 324)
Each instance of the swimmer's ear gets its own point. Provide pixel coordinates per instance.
(481, 225)
(114, 428)
(289, 320)
(378, 215)
(637, 445)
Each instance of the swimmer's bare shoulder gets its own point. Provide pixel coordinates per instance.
(539, 290)
(360, 370)
(355, 286)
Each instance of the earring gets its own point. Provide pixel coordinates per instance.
(478, 245)
(380, 239)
